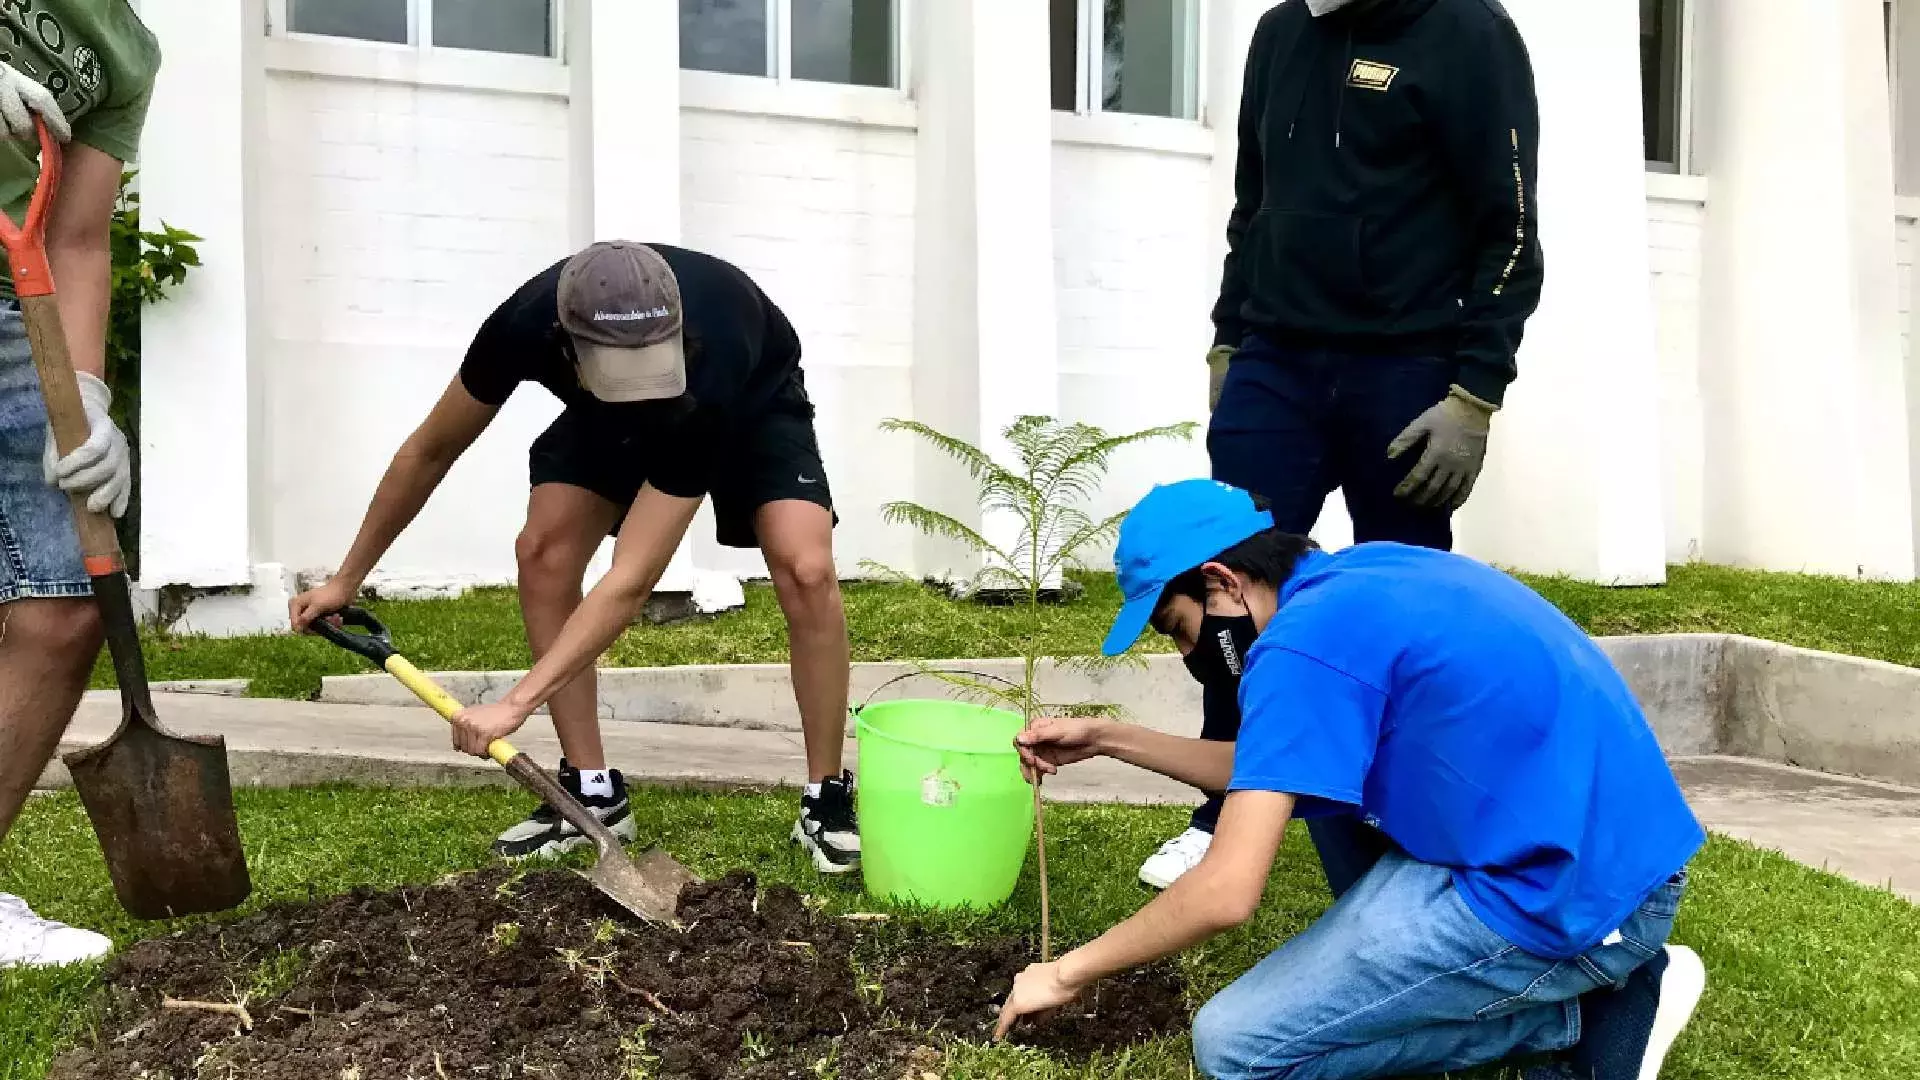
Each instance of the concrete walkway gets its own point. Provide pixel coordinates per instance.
(1865, 830)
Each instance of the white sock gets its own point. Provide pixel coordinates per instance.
(813, 790)
(596, 782)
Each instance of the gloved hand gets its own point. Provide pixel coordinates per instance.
(1217, 360)
(21, 99)
(100, 468)
(1456, 435)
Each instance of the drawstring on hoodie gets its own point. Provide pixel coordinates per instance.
(1312, 45)
(1340, 107)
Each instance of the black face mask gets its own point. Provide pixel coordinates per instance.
(1220, 654)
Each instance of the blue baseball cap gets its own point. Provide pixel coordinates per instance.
(1175, 528)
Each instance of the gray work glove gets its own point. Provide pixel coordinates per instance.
(22, 99)
(101, 469)
(1217, 360)
(1455, 432)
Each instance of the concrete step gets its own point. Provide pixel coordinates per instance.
(1704, 694)
(1865, 830)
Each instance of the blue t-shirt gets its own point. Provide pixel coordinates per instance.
(1477, 727)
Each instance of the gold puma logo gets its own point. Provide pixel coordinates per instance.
(1371, 75)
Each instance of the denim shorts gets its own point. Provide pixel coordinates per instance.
(39, 549)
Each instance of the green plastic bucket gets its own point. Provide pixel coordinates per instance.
(945, 815)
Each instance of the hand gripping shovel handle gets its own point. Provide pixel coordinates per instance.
(26, 246)
(374, 642)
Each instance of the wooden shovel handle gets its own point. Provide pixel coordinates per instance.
(99, 542)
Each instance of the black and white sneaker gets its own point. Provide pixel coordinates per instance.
(545, 833)
(828, 828)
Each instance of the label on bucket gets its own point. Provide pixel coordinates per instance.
(937, 790)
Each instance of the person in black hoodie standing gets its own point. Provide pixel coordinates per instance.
(1382, 260)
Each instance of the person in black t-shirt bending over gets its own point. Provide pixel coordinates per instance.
(680, 380)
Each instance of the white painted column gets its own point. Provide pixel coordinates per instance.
(1808, 460)
(1228, 34)
(985, 335)
(1906, 148)
(1573, 481)
(199, 394)
(623, 58)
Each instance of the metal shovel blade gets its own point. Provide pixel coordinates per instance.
(650, 890)
(162, 806)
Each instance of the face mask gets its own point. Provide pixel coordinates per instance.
(1318, 8)
(1219, 656)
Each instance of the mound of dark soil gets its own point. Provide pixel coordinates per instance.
(489, 976)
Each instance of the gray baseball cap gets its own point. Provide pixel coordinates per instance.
(620, 303)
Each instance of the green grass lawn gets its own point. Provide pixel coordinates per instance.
(1811, 977)
(891, 621)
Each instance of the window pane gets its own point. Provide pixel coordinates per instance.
(1660, 80)
(843, 41)
(1064, 38)
(369, 20)
(724, 35)
(1150, 52)
(508, 26)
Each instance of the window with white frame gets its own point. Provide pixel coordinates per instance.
(1126, 56)
(525, 27)
(854, 42)
(1663, 102)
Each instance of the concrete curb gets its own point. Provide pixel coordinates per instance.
(1704, 694)
(759, 697)
(210, 687)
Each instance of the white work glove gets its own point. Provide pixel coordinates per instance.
(21, 99)
(102, 467)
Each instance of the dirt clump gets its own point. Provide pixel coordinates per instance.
(493, 975)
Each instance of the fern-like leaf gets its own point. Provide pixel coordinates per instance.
(945, 526)
(1082, 471)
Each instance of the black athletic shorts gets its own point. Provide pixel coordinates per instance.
(778, 458)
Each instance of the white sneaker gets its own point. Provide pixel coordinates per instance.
(1680, 988)
(1176, 857)
(27, 940)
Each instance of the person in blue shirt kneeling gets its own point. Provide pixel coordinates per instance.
(1537, 841)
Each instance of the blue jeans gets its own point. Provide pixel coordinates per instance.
(1294, 424)
(39, 547)
(1400, 978)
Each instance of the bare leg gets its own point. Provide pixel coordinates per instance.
(47, 649)
(565, 525)
(797, 539)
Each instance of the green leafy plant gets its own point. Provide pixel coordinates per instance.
(146, 265)
(1038, 504)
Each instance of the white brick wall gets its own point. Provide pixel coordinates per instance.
(1136, 281)
(1673, 241)
(821, 214)
(393, 219)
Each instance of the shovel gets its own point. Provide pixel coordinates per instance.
(649, 889)
(162, 804)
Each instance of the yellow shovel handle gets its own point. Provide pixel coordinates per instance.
(442, 702)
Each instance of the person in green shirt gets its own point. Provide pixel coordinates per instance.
(86, 69)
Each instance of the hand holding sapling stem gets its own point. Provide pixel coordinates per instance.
(1051, 742)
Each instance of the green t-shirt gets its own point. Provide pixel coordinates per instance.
(99, 60)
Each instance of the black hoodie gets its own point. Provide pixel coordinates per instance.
(1385, 186)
